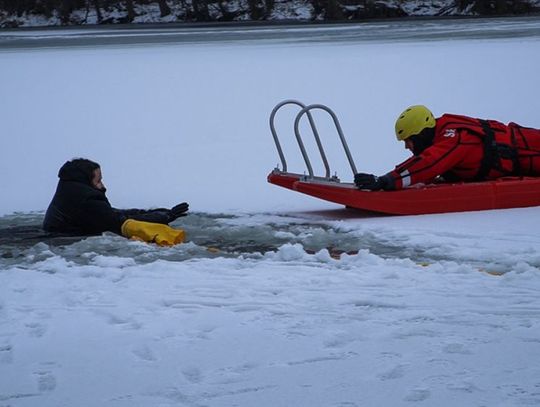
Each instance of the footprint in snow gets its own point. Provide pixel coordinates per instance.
(46, 381)
(418, 395)
(6, 354)
(456, 348)
(396, 372)
(144, 352)
(232, 374)
(340, 340)
(121, 321)
(35, 329)
(203, 332)
(192, 374)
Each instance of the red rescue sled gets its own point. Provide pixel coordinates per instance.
(435, 198)
(502, 193)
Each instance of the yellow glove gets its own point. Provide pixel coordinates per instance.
(149, 232)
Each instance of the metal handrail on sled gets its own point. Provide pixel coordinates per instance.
(306, 110)
(298, 138)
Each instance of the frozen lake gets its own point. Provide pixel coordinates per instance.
(277, 298)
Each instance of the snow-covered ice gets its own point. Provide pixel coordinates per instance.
(283, 328)
(435, 310)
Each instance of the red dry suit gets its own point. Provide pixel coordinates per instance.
(469, 149)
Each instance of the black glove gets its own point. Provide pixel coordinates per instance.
(178, 210)
(370, 181)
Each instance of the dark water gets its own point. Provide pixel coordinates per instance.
(251, 236)
(209, 235)
(383, 31)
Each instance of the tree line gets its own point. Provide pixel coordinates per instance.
(221, 10)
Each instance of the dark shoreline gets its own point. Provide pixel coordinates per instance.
(264, 23)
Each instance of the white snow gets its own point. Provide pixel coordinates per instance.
(91, 327)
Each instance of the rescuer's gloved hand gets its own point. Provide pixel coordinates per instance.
(371, 182)
(178, 210)
(149, 232)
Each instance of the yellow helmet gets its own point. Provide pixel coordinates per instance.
(412, 121)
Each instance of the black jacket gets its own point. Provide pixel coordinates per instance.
(78, 208)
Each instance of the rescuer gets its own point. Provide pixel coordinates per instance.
(457, 148)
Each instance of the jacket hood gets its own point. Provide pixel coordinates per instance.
(78, 170)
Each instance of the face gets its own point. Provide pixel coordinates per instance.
(409, 145)
(97, 181)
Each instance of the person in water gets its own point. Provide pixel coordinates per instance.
(80, 207)
(457, 148)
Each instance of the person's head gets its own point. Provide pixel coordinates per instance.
(84, 171)
(416, 127)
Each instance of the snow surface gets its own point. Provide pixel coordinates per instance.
(435, 310)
